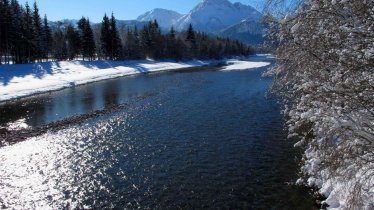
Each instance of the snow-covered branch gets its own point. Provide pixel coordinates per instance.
(325, 80)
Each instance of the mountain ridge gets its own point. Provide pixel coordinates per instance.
(214, 17)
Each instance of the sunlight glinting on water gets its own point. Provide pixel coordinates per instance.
(55, 169)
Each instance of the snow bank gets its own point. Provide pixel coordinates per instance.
(28, 79)
(243, 65)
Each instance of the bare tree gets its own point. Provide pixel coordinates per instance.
(325, 81)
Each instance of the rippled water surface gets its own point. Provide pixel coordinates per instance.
(190, 140)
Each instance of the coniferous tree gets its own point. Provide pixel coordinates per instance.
(47, 38)
(6, 24)
(91, 47)
(87, 39)
(105, 38)
(158, 40)
(116, 45)
(146, 41)
(191, 40)
(38, 34)
(171, 44)
(73, 42)
(191, 34)
(2, 26)
(17, 33)
(29, 34)
(133, 48)
(59, 44)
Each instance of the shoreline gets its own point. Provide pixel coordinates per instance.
(18, 81)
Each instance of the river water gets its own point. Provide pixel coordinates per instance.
(182, 140)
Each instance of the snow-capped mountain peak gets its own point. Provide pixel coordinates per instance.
(165, 18)
(215, 15)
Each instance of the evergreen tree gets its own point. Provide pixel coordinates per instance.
(116, 45)
(17, 32)
(73, 42)
(5, 27)
(146, 41)
(171, 44)
(47, 38)
(91, 47)
(133, 47)
(191, 40)
(87, 39)
(59, 44)
(151, 40)
(38, 34)
(2, 26)
(29, 34)
(105, 39)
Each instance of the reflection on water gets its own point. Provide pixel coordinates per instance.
(205, 140)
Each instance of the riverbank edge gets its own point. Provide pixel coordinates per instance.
(131, 70)
(24, 80)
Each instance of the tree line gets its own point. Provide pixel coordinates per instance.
(26, 38)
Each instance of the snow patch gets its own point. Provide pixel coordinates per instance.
(17, 125)
(243, 65)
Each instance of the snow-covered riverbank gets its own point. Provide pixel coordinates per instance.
(18, 81)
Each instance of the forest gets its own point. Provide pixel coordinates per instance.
(26, 37)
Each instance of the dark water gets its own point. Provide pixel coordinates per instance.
(192, 140)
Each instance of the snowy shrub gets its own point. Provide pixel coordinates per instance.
(325, 81)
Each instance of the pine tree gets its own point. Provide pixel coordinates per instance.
(191, 35)
(145, 40)
(91, 47)
(105, 38)
(29, 34)
(59, 43)
(191, 40)
(38, 34)
(158, 40)
(138, 52)
(17, 33)
(87, 39)
(171, 50)
(2, 21)
(5, 27)
(47, 38)
(73, 42)
(116, 45)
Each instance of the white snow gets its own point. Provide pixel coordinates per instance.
(22, 80)
(217, 15)
(165, 18)
(243, 65)
(27, 79)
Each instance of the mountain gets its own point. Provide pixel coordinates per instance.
(165, 18)
(215, 15)
(247, 31)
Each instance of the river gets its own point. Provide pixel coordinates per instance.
(181, 140)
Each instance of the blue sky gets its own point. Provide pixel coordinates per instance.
(123, 9)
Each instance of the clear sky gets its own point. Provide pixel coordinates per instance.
(123, 9)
